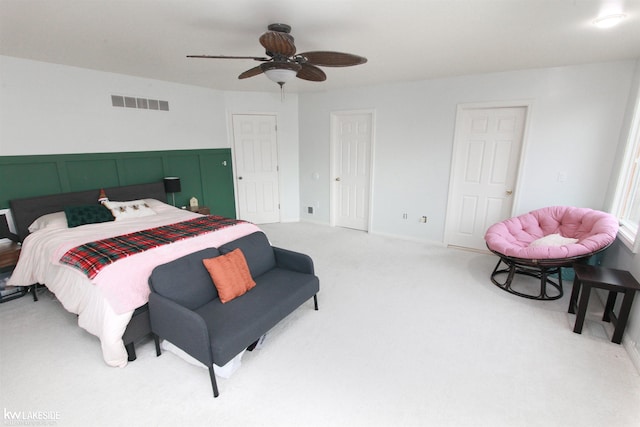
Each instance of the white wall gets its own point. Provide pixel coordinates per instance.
(55, 109)
(618, 255)
(576, 116)
(574, 128)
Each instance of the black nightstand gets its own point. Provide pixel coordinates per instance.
(9, 254)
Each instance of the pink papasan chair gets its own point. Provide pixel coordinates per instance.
(541, 242)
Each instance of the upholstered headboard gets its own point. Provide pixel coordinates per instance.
(27, 210)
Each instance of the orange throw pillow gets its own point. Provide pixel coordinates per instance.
(230, 274)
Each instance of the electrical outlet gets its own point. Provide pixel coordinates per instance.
(405, 216)
(310, 210)
(423, 219)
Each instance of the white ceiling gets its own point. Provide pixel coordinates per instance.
(404, 40)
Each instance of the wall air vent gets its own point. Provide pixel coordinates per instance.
(141, 103)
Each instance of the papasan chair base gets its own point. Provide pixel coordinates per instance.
(540, 243)
(549, 289)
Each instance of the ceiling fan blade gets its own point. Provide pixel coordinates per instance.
(311, 73)
(276, 42)
(255, 58)
(251, 72)
(333, 59)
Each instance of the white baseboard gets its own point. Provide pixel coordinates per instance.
(408, 238)
(377, 233)
(288, 220)
(311, 221)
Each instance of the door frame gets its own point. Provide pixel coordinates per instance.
(231, 140)
(461, 108)
(333, 117)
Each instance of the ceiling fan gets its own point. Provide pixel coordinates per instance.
(282, 63)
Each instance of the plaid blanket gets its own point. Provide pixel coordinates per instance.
(91, 257)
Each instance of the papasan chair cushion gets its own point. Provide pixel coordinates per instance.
(551, 237)
(513, 237)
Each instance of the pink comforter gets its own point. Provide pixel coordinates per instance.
(593, 229)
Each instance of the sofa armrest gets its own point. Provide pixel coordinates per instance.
(182, 327)
(295, 261)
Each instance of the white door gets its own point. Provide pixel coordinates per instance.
(255, 146)
(487, 147)
(351, 166)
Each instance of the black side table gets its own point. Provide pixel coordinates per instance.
(200, 209)
(615, 281)
(9, 254)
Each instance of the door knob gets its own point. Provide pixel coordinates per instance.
(509, 192)
(338, 179)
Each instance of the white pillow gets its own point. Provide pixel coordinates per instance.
(553, 240)
(130, 209)
(52, 220)
(158, 206)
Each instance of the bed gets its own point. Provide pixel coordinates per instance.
(113, 304)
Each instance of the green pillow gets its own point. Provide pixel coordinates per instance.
(87, 214)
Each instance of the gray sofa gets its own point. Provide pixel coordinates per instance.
(184, 307)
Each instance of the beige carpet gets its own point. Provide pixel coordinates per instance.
(408, 334)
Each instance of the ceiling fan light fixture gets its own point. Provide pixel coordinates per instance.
(280, 72)
(608, 21)
(280, 76)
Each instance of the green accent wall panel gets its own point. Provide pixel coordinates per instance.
(90, 174)
(23, 179)
(217, 186)
(206, 174)
(141, 169)
(186, 166)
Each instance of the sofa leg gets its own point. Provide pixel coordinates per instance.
(131, 351)
(213, 382)
(253, 345)
(315, 302)
(156, 340)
